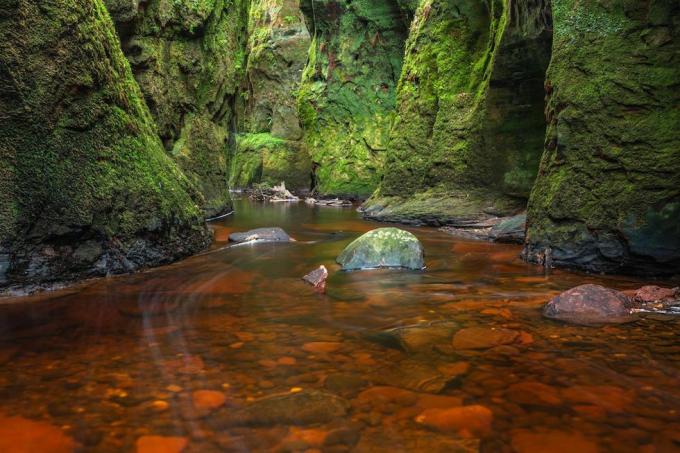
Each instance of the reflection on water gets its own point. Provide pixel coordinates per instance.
(231, 351)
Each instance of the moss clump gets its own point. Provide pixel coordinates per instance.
(265, 159)
(608, 188)
(86, 187)
(469, 109)
(347, 96)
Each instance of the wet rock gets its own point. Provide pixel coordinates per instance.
(525, 441)
(610, 398)
(343, 384)
(383, 247)
(483, 337)
(384, 395)
(298, 408)
(650, 293)
(467, 421)
(317, 278)
(346, 436)
(589, 304)
(274, 234)
(418, 374)
(509, 230)
(18, 434)
(208, 400)
(534, 394)
(417, 337)
(161, 444)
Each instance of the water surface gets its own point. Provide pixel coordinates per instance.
(193, 353)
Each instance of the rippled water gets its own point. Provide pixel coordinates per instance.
(231, 351)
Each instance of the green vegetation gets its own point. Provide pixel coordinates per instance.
(115, 142)
(347, 95)
(607, 194)
(86, 186)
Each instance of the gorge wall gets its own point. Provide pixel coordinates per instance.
(118, 138)
(189, 58)
(607, 196)
(86, 187)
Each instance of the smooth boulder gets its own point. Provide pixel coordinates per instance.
(589, 304)
(383, 248)
(275, 234)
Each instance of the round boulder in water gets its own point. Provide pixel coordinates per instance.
(383, 247)
(589, 304)
(275, 234)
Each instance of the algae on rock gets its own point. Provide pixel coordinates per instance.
(85, 186)
(607, 197)
(189, 59)
(347, 95)
(469, 128)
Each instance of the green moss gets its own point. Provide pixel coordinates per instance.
(347, 95)
(469, 108)
(613, 151)
(81, 162)
(265, 159)
(189, 59)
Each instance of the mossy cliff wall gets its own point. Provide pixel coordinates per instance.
(269, 146)
(468, 134)
(607, 197)
(189, 59)
(347, 95)
(85, 185)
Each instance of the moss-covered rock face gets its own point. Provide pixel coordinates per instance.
(265, 159)
(347, 95)
(469, 128)
(85, 185)
(189, 59)
(607, 197)
(269, 148)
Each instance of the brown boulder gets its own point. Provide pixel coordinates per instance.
(589, 304)
(651, 293)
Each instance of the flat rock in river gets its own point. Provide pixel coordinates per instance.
(383, 247)
(274, 234)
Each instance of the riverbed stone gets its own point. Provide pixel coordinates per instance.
(383, 247)
(525, 441)
(483, 337)
(274, 234)
(18, 434)
(303, 407)
(161, 444)
(417, 337)
(467, 421)
(589, 304)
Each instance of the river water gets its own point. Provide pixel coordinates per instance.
(231, 351)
